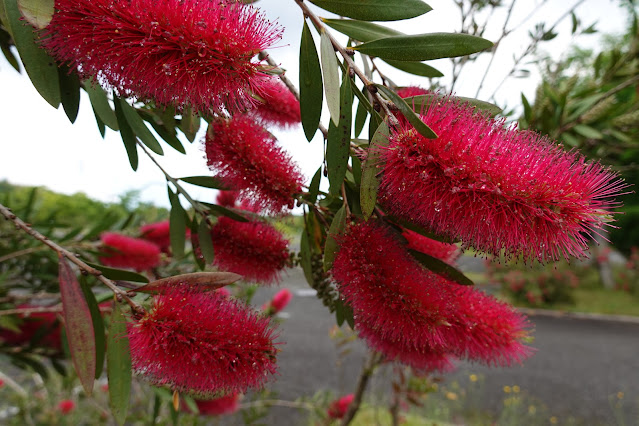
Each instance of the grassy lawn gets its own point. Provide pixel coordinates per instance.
(602, 301)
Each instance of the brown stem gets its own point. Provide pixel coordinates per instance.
(33, 310)
(279, 403)
(9, 215)
(364, 377)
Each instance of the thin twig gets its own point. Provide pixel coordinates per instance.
(19, 253)
(71, 257)
(278, 403)
(38, 309)
(364, 377)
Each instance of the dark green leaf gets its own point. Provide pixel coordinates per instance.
(311, 88)
(128, 137)
(339, 312)
(421, 102)
(361, 30)
(370, 181)
(441, 268)
(189, 124)
(9, 55)
(118, 365)
(169, 136)
(206, 243)
(98, 326)
(527, 109)
(207, 280)
(360, 118)
(216, 210)
(100, 104)
(40, 67)
(375, 10)
(139, 128)
(204, 181)
(399, 223)
(408, 112)
(305, 257)
(331, 76)
(330, 248)
(37, 12)
(338, 143)
(357, 169)
(101, 126)
(313, 188)
(575, 22)
(78, 325)
(69, 92)
(415, 68)
(424, 47)
(177, 227)
(119, 274)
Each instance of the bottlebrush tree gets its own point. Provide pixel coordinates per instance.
(432, 174)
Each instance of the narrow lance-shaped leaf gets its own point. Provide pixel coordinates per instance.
(206, 280)
(118, 366)
(331, 76)
(415, 68)
(370, 169)
(139, 128)
(339, 139)
(128, 137)
(441, 268)
(408, 112)
(313, 188)
(78, 325)
(204, 181)
(119, 274)
(361, 30)
(330, 248)
(100, 104)
(360, 118)
(422, 102)
(177, 225)
(98, 326)
(424, 47)
(206, 243)
(375, 10)
(311, 88)
(69, 92)
(40, 67)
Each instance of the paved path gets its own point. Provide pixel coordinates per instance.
(578, 365)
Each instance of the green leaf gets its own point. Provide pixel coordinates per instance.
(177, 227)
(331, 77)
(424, 47)
(370, 169)
(415, 68)
(207, 280)
(527, 109)
(357, 169)
(118, 365)
(408, 112)
(216, 210)
(128, 137)
(37, 12)
(313, 188)
(338, 143)
(119, 274)
(78, 325)
(588, 132)
(305, 258)
(40, 67)
(167, 134)
(311, 88)
(361, 30)
(189, 124)
(98, 326)
(69, 92)
(360, 118)
(204, 181)
(100, 104)
(421, 102)
(375, 10)
(330, 248)
(441, 268)
(139, 128)
(206, 243)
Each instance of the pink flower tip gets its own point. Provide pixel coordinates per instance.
(338, 408)
(158, 233)
(279, 302)
(66, 406)
(223, 405)
(280, 107)
(121, 251)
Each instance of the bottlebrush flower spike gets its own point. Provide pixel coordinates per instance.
(279, 302)
(410, 91)
(255, 250)
(121, 251)
(280, 107)
(45, 324)
(158, 234)
(202, 342)
(176, 52)
(338, 408)
(66, 406)
(247, 158)
(227, 404)
(497, 189)
(227, 198)
(448, 253)
(409, 313)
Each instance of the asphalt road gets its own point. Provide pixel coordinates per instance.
(578, 368)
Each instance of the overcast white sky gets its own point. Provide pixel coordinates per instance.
(41, 147)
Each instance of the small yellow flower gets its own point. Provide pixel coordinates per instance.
(451, 395)
(619, 395)
(554, 420)
(516, 389)
(532, 409)
(507, 389)
(473, 377)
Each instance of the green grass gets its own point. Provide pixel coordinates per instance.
(602, 301)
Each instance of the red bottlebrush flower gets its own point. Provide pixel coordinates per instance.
(158, 234)
(66, 406)
(279, 301)
(246, 157)
(254, 250)
(338, 408)
(43, 324)
(176, 52)
(411, 314)
(1, 383)
(410, 91)
(280, 107)
(227, 198)
(227, 404)
(496, 189)
(121, 251)
(224, 291)
(448, 253)
(202, 342)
